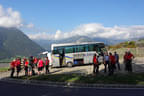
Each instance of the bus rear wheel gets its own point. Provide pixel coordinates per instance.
(70, 64)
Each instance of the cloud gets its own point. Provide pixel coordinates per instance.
(10, 18)
(95, 30)
(41, 35)
(30, 25)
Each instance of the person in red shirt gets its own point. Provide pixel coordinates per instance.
(26, 67)
(47, 65)
(18, 65)
(129, 58)
(95, 64)
(12, 67)
(35, 61)
(40, 66)
(111, 64)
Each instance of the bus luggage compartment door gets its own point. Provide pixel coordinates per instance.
(78, 61)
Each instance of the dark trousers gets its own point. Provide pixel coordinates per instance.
(112, 67)
(12, 72)
(26, 71)
(95, 68)
(61, 61)
(118, 65)
(129, 65)
(47, 69)
(106, 65)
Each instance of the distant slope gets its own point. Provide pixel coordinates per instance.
(14, 42)
(47, 43)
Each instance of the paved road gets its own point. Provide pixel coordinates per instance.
(10, 89)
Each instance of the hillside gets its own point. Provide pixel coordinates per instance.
(14, 42)
(47, 43)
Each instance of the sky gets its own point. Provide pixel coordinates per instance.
(58, 19)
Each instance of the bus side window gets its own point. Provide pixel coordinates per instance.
(86, 48)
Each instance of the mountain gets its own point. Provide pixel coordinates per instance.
(47, 43)
(14, 42)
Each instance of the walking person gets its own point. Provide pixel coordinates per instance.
(117, 60)
(12, 67)
(26, 67)
(40, 66)
(106, 62)
(95, 64)
(129, 58)
(112, 63)
(47, 65)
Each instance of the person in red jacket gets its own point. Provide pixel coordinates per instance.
(26, 67)
(112, 63)
(40, 66)
(12, 67)
(47, 65)
(18, 65)
(95, 64)
(129, 58)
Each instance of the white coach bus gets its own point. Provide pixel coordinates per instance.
(75, 53)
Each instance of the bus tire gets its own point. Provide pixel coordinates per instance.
(70, 64)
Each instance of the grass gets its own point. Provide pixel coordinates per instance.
(133, 78)
(4, 69)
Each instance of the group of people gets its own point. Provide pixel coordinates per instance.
(111, 62)
(30, 65)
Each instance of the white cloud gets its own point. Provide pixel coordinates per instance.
(42, 35)
(30, 25)
(10, 18)
(98, 30)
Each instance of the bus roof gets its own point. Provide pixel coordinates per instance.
(69, 44)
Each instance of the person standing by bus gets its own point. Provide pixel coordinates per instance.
(26, 67)
(12, 67)
(125, 61)
(129, 58)
(40, 66)
(18, 65)
(117, 60)
(31, 66)
(61, 57)
(106, 62)
(47, 65)
(112, 63)
(95, 64)
(35, 61)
